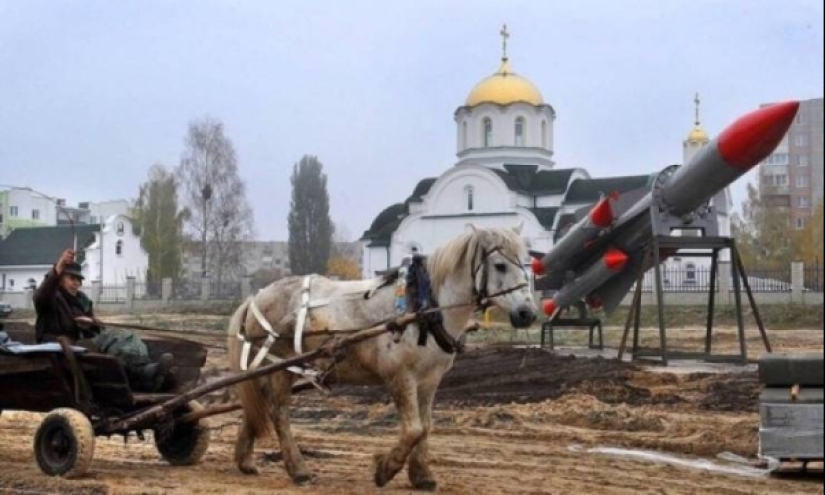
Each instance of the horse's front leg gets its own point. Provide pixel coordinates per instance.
(404, 392)
(421, 476)
(282, 396)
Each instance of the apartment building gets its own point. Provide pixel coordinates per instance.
(792, 177)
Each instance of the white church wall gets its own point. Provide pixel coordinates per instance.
(449, 196)
(116, 254)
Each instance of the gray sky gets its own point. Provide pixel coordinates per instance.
(92, 93)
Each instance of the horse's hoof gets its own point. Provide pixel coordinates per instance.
(382, 476)
(302, 479)
(248, 469)
(426, 485)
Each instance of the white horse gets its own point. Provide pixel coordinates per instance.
(481, 264)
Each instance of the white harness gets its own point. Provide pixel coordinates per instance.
(272, 335)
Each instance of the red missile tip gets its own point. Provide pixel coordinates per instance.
(549, 307)
(755, 135)
(602, 214)
(537, 266)
(614, 259)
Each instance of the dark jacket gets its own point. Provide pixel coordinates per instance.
(57, 309)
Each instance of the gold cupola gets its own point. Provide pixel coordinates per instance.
(697, 135)
(505, 86)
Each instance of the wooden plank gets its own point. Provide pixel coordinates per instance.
(11, 366)
(782, 395)
(806, 369)
(785, 443)
(792, 416)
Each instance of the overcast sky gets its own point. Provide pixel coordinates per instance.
(92, 93)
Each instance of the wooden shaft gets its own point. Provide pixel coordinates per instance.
(330, 349)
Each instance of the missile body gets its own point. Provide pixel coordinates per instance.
(577, 238)
(677, 191)
(610, 265)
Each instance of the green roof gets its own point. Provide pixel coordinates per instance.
(387, 218)
(585, 191)
(545, 216)
(38, 246)
(422, 189)
(529, 180)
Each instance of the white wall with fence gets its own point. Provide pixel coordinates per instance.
(798, 284)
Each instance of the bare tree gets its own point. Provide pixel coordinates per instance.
(342, 244)
(216, 197)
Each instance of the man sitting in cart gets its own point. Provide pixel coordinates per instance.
(64, 310)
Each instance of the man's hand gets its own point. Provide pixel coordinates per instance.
(65, 258)
(85, 322)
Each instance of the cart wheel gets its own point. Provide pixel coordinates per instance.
(64, 444)
(183, 444)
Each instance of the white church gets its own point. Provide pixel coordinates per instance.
(505, 175)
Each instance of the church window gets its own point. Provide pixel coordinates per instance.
(119, 248)
(488, 132)
(469, 193)
(690, 273)
(520, 131)
(464, 135)
(544, 134)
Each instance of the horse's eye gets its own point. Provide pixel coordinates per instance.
(501, 267)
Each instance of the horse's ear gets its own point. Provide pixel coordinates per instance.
(473, 228)
(519, 228)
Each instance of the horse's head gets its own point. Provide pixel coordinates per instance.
(492, 258)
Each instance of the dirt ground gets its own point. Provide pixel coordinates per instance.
(508, 420)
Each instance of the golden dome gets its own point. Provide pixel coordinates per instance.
(503, 88)
(698, 135)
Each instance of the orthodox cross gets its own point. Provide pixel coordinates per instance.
(504, 36)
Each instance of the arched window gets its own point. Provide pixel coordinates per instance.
(469, 193)
(464, 135)
(544, 134)
(520, 131)
(119, 248)
(487, 124)
(690, 273)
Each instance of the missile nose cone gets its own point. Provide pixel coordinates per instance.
(602, 214)
(549, 307)
(755, 135)
(537, 266)
(614, 259)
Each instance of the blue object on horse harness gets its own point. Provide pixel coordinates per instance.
(420, 298)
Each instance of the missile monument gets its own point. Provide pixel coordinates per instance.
(600, 257)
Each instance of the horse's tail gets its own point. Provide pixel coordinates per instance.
(250, 393)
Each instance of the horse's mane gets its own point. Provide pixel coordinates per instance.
(459, 252)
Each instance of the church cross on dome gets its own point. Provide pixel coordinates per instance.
(504, 36)
(696, 101)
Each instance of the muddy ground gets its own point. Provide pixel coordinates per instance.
(507, 421)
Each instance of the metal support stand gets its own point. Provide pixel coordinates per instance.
(671, 245)
(593, 325)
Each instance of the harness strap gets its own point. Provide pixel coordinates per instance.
(264, 352)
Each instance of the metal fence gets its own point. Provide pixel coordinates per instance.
(769, 279)
(226, 290)
(813, 274)
(697, 279)
(186, 291)
(112, 294)
(148, 290)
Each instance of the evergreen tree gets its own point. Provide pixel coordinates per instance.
(161, 224)
(310, 225)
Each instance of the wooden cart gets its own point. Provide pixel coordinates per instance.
(87, 395)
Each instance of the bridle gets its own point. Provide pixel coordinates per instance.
(481, 296)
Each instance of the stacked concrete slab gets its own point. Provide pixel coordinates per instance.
(791, 406)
